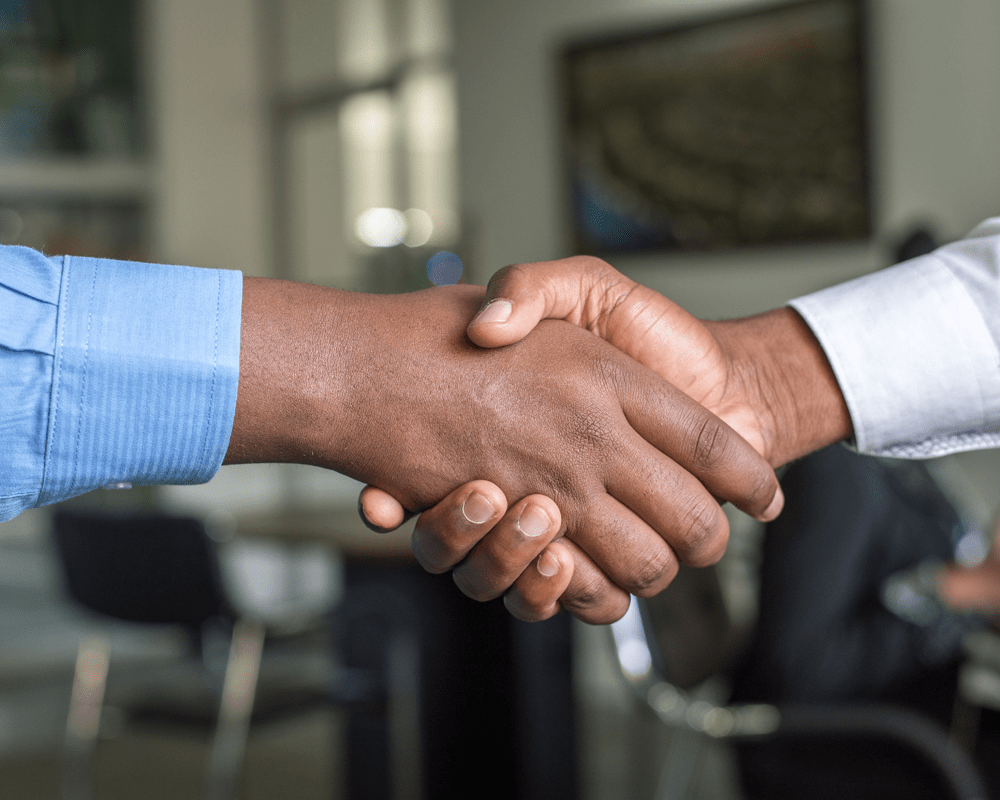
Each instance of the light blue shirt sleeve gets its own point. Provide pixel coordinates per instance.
(112, 371)
(916, 349)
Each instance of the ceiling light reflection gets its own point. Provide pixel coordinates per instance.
(381, 227)
(419, 227)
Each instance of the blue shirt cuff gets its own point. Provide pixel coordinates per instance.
(145, 375)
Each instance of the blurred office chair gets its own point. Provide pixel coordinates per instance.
(700, 714)
(824, 649)
(160, 569)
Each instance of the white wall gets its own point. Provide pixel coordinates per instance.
(209, 138)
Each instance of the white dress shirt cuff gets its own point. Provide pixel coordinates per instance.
(914, 358)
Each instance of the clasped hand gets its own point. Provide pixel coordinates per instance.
(623, 468)
(601, 513)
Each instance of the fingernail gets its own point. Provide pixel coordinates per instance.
(533, 521)
(777, 503)
(548, 564)
(496, 311)
(477, 509)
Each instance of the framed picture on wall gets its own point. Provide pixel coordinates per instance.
(741, 130)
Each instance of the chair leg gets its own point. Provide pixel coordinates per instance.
(233, 728)
(83, 723)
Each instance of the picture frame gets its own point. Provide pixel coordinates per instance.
(739, 130)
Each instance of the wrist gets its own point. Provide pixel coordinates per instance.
(781, 369)
(289, 373)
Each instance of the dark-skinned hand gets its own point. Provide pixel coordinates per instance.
(389, 390)
(766, 376)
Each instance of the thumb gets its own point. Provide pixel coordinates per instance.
(518, 297)
(380, 511)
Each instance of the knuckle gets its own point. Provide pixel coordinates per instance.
(521, 613)
(713, 555)
(615, 612)
(611, 610)
(591, 428)
(761, 490)
(653, 574)
(506, 278)
(472, 586)
(433, 567)
(435, 551)
(595, 601)
(704, 534)
(594, 263)
(524, 609)
(428, 560)
(710, 444)
(713, 548)
(586, 596)
(608, 367)
(497, 571)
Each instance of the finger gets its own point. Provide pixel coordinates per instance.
(535, 594)
(630, 553)
(445, 533)
(971, 588)
(697, 442)
(519, 296)
(592, 294)
(667, 502)
(380, 511)
(509, 549)
(591, 597)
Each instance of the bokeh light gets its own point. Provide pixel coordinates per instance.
(419, 227)
(444, 268)
(381, 227)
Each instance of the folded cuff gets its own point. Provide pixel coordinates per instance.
(145, 375)
(914, 358)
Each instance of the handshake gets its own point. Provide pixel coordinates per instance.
(591, 426)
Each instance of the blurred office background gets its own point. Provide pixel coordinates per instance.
(344, 142)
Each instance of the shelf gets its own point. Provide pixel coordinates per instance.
(75, 178)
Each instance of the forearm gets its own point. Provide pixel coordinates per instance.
(785, 374)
